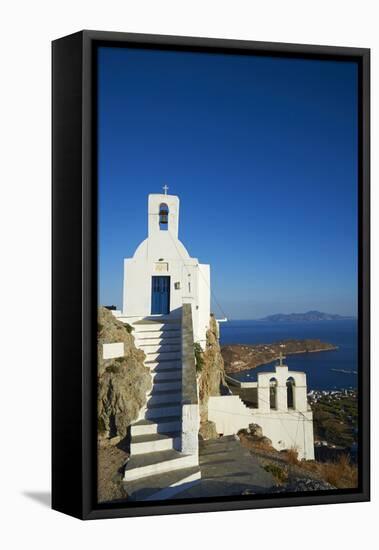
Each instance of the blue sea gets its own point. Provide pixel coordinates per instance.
(318, 366)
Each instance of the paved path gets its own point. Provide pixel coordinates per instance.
(228, 469)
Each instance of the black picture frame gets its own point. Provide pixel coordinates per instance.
(74, 272)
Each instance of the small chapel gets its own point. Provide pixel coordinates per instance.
(161, 276)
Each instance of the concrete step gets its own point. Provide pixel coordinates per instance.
(159, 334)
(162, 356)
(163, 385)
(166, 397)
(160, 348)
(154, 319)
(164, 425)
(145, 343)
(163, 333)
(163, 486)
(169, 375)
(150, 443)
(157, 411)
(164, 365)
(149, 464)
(140, 327)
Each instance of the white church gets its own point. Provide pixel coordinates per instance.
(166, 299)
(161, 276)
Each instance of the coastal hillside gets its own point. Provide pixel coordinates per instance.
(240, 357)
(300, 317)
(293, 475)
(335, 419)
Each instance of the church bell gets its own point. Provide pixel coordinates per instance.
(163, 216)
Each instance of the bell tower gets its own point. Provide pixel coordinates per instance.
(163, 214)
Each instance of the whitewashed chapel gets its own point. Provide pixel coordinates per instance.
(161, 276)
(166, 299)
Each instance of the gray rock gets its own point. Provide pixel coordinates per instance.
(208, 430)
(255, 430)
(123, 382)
(299, 484)
(265, 441)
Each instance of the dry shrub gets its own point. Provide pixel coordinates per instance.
(341, 474)
(280, 474)
(292, 456)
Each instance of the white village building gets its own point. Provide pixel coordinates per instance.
(166, 299)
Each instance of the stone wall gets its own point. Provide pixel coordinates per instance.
(123, 381)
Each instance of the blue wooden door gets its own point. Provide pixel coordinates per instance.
(160, 295)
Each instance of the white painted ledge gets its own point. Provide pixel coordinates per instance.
(111, 351)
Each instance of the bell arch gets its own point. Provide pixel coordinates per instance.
(290, 383)
(273, 393)
(163, 216)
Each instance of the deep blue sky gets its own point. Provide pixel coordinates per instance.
(263, 155)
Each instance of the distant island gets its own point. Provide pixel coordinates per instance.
(240, 357)
(299, 317)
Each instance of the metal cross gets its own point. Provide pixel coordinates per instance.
(281, 357)
(165, 189)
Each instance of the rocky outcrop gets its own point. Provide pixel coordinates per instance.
(212, 377)
(123, 382)
(255, 430)
(253, 437)
(207, 430)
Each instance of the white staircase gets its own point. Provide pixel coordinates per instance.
(157, 469)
